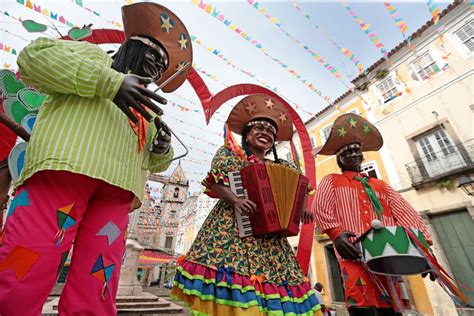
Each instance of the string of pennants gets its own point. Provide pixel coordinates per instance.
(349, 54)
(218, 53)
(214, 12)
(333, 70)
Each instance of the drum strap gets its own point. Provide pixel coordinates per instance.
(372, 196)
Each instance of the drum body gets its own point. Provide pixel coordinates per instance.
(390, 251)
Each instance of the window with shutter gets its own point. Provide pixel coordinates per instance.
(466, 35)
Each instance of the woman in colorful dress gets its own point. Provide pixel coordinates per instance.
(224, 274)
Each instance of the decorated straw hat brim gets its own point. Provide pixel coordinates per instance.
(257, 106)
(348, 129)
(157, 22)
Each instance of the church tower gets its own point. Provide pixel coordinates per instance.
(175, 193)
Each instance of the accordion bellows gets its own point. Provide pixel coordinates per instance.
(279, 193)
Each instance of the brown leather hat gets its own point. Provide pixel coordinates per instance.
(348, 129)
(261, 105)
(157, 22)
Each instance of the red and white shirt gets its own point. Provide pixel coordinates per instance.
(342, 204)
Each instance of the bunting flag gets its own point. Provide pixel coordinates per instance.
(7, 48)
(79, 3)
(218, 53)
(440, 28)
(366, 29)
(399, 22)
(350, 55)
(195, 104)
(215, 13)
(209, 75)
(46, 12)
(275, 21)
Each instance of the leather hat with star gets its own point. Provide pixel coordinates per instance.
(348, 129)
(261, 105)
(157, 22)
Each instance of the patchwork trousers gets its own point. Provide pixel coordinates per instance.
(52, 212)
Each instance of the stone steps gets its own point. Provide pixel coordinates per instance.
(146, 304)
(128, 305)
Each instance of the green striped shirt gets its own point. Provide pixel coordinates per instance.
(79, 129)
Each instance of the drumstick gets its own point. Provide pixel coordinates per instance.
(174, 75)
(376, 224)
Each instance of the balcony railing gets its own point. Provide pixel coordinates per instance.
(452, 160)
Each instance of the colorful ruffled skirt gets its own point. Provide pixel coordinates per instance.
(223, 274)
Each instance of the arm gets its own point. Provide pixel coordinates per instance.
(404, 214)
(68, 67)
(217, 182)
(156, 162)
(14, 126)
(324, 208)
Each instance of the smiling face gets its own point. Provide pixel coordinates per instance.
(261, 136)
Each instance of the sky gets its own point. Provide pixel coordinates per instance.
(328, 28)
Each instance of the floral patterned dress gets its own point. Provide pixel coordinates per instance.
(223, 274)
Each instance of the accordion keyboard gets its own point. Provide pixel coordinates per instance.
(236, 186)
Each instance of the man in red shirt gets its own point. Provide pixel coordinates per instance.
(347, 203)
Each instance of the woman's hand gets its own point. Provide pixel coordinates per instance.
(307, 217)
(245, 206)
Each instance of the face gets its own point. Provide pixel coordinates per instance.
(261, 136)
(154, 64)
(351, 158)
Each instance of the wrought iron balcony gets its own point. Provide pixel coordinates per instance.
(447, 162)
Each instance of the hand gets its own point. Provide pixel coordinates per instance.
(345, 248)
(433, 276)
(133, 94)
(307, 217)
(245, 206)
(162, 141)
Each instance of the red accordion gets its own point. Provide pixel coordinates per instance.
(279, 193)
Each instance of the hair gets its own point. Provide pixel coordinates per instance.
(245, 145)
(130, 56)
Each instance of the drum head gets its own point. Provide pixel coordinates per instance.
(398, 265)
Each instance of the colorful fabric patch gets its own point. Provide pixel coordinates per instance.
(66, 218)
(21, 199)
(102, 272)
(110, 230)
(20, 259)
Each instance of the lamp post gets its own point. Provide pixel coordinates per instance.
(466, 184)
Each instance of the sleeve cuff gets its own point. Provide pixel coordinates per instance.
(333, 233)
(109, 83)
(215, 176)
(156, 161)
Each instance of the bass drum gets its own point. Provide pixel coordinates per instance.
(390, 251)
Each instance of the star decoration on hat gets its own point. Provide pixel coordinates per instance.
(269, 103)
(166, 22)
(282, 117)
(250, 107)
(183, 42)
(341, 131)
(352, 122)
(366, 129)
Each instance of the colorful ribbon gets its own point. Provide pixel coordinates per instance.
(227, 271)
(372, 196)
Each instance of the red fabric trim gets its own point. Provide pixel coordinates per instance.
(333, 233)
